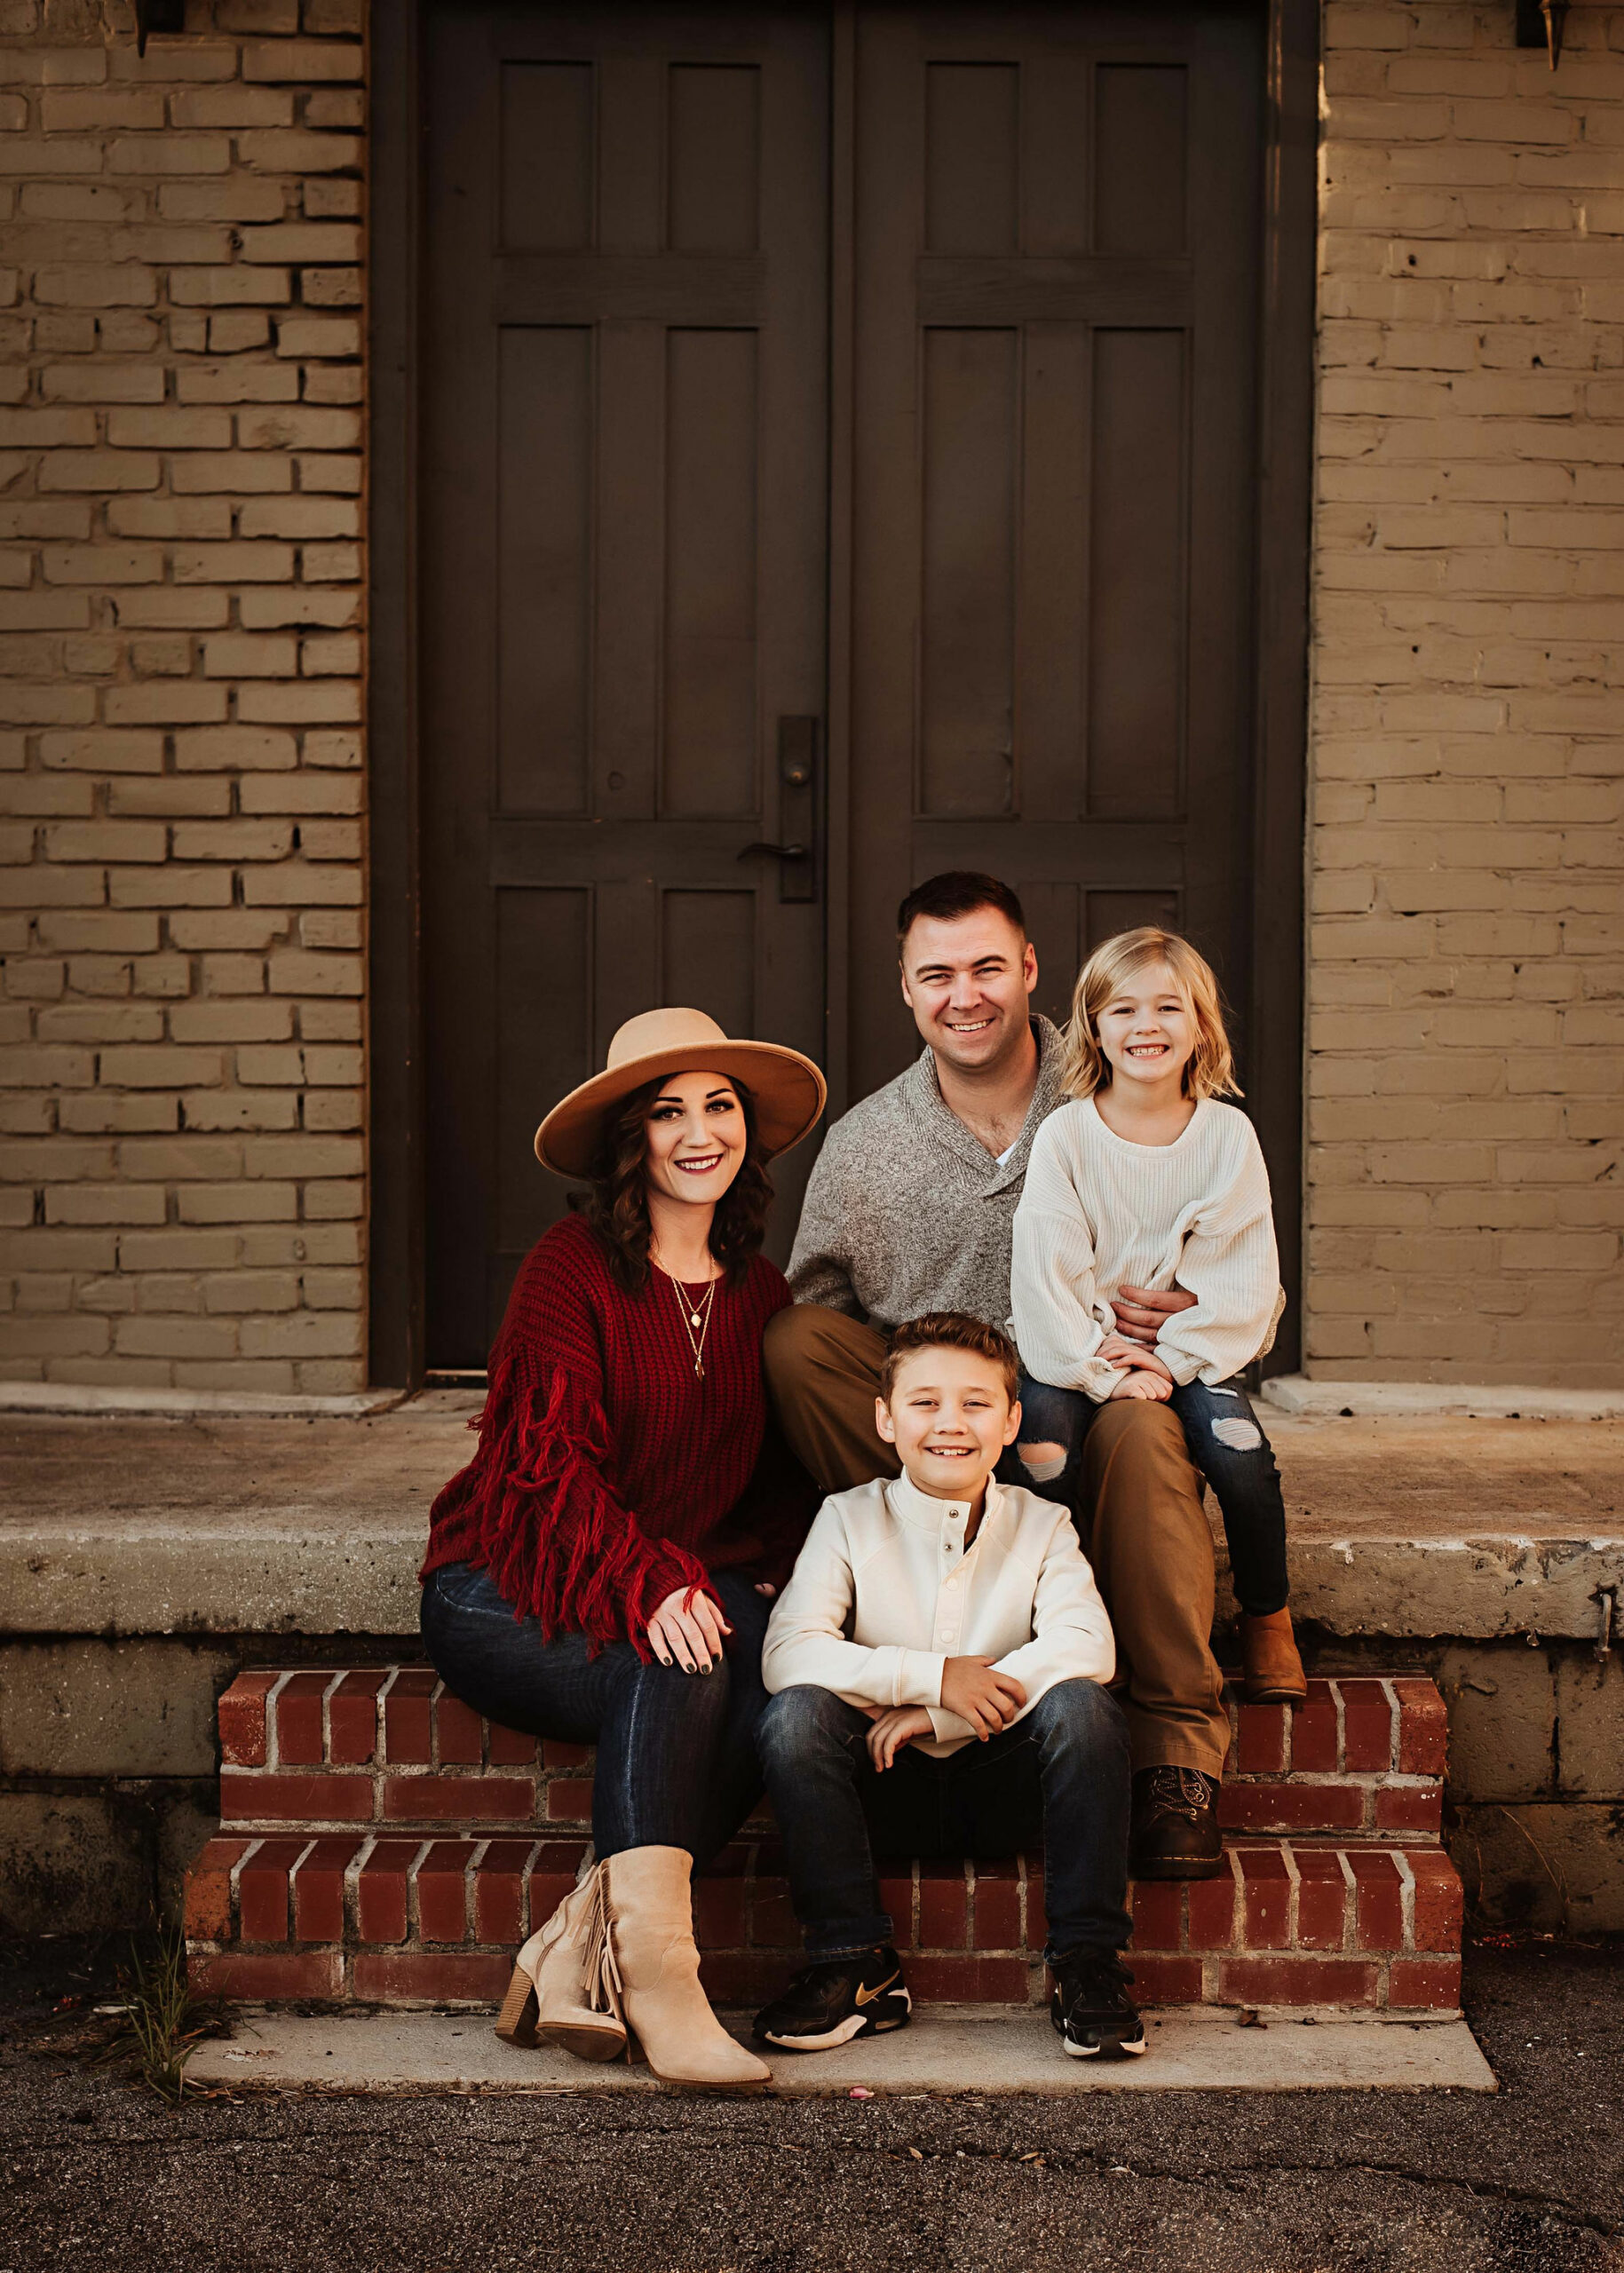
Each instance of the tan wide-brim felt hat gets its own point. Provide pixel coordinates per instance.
(787, 1090)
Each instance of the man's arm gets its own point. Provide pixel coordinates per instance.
(1140, 1312)
(820, 1262)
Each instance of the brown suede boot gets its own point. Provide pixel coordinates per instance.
(1273, 1671)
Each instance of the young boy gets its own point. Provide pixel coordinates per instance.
(936, 1666)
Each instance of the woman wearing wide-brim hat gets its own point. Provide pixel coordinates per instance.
(601, 1572)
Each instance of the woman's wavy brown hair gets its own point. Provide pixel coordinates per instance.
(615, 1203)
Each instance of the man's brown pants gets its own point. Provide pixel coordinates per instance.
(1148, 1540)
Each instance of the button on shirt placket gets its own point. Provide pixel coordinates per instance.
(950, 1595)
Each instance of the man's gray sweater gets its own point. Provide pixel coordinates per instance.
(906, 1212)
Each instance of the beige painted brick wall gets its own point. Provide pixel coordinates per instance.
(1466, 978)
(182, 1194)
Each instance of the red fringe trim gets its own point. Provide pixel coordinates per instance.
(557, 1542)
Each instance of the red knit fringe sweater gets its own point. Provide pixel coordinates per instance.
(608, 1475)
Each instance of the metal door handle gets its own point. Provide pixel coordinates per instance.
(797, 813)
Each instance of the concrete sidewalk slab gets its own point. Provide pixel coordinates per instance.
(949, 2050)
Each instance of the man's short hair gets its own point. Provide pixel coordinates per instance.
(950, 1330)
(956, 892)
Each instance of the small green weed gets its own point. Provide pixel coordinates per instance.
(161, 2023)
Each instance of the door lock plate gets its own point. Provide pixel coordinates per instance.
(797, 849)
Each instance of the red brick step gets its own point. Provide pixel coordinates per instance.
(382, 1843)
(1362, 1759)
(382, 1919)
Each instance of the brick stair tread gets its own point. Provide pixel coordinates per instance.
(1362, 1758)
(392, 1919)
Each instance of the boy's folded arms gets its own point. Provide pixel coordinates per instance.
(975, 1690)
(888, 1608)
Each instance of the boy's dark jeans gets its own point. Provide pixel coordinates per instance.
(1227, 1445)
(1060, 1776)
(676, 1763)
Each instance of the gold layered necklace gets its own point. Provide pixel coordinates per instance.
(695, 1317)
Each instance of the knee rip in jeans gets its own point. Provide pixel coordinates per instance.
(1042, 1462)
(1240, 1436)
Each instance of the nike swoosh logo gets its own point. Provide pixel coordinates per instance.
(867, 1996)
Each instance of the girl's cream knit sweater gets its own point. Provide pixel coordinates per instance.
(1098, 1213)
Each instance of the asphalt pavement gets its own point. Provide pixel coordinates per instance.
(96, 2172)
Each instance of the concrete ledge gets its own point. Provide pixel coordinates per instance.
(950, 2049)
(211, 1578)
(222, 1524)
(187, 1403)
(1476, 1589)
(1405, 1527)
(222, 1579)
(1493, 1400)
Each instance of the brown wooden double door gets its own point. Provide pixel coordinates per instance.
(946, 312)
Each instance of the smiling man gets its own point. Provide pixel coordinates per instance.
(910, 1204)
(910, 1209)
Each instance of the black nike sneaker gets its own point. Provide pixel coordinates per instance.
(1091, 2008)
(836, 1999)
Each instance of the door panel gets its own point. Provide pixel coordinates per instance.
(1055, 218)
(967, 570)
(626, 506)
(626, 469)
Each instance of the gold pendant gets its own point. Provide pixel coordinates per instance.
(693, 1317)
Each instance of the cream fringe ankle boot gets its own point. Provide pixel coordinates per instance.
(558, 1990)
(649, 1957)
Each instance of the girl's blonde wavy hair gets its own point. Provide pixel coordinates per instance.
(1210, 1070)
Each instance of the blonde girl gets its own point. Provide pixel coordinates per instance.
(1145, 1179)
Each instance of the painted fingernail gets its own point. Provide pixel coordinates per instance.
(665, 1661)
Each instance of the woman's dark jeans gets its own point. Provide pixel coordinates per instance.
(1226, 1445)
(1059, 1777)
(676, 1759)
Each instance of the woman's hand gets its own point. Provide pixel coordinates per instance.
(889, 1732)
(687, 1629)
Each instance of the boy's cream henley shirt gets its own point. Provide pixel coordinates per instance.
(884, 1592)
